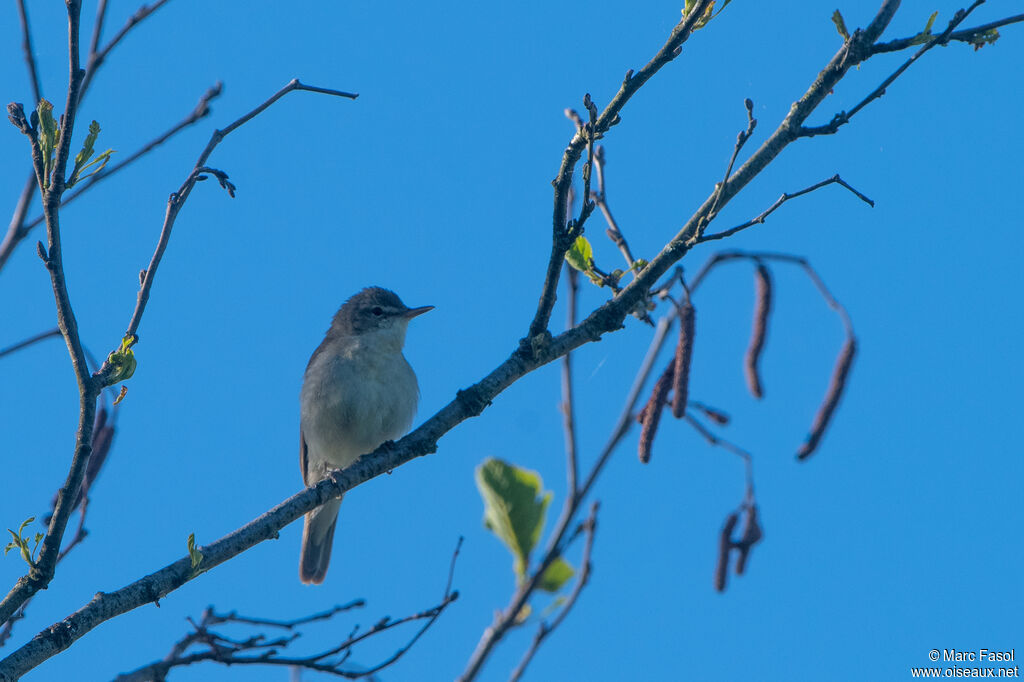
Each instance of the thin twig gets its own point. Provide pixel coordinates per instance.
(201, 111)
(545, 629)
(741, 140)
(601, 199)
(568, 398)
(31, 340)
(97, 57)
(716, 441)
(561, 236)
(843, 117)
(97, 29)
(967, 35)
(835, 179)
(177, 199)
(30, 56)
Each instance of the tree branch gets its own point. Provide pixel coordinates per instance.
(201, 111)
(177, 199)
(563, 236)
(843, 117)
(30, 341)
(41, 573)
(967, 35)
(97, 57)
(17, 229)
(545, 629)
(30, 57)
(231, 651)
(779, 202)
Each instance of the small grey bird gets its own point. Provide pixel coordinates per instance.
(358, 392)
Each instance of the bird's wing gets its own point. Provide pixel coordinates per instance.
(304, 459)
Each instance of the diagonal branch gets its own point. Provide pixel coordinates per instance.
(177, 199)
(545, 629)
(562, 236)
(30, 57)
(967, 35)
(779, 202)
(843, 117)
(98, 56)
(201, 111)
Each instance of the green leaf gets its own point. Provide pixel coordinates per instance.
(514, 507)
(21, 544)
(121, 361)
(46, 137)
(984, 38)
(639, 264)
(83, 156)
(556, 575)
(194, 554)
(580, 255)
(837, 19)
(931, 20)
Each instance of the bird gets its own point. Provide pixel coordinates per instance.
(358, 391)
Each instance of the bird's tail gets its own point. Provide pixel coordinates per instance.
(317, 538)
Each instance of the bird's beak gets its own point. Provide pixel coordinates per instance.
(413, 312)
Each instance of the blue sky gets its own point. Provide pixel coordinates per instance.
(897, 537)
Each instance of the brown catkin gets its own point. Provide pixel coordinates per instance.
(724, 547)
(684, 353)
(651, 414)
(828, 405)
(751, 536)
(762, 308)
(712, 413)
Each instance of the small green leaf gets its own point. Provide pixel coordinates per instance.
(639, 264)
(46, 137)
(988, 37)
(121, 361)
(580, 255)
(837, 19)
(931, 20)
(21, 544)
(193, 552)
(556, 575)
(514, 507)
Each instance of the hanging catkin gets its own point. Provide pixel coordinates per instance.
(828, 405)
(684, 353)
(762, 308)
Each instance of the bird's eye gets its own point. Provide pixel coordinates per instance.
(377, 310)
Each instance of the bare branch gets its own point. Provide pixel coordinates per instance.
(201, 111)
(232, 651)
(563, 236)
(967, 35)
(568, 397)
(177, 199)
(601, 199)
(779, 202)
(30, 341)
(843, 117)
(97, 57)
(545, 629)
(30, 57)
